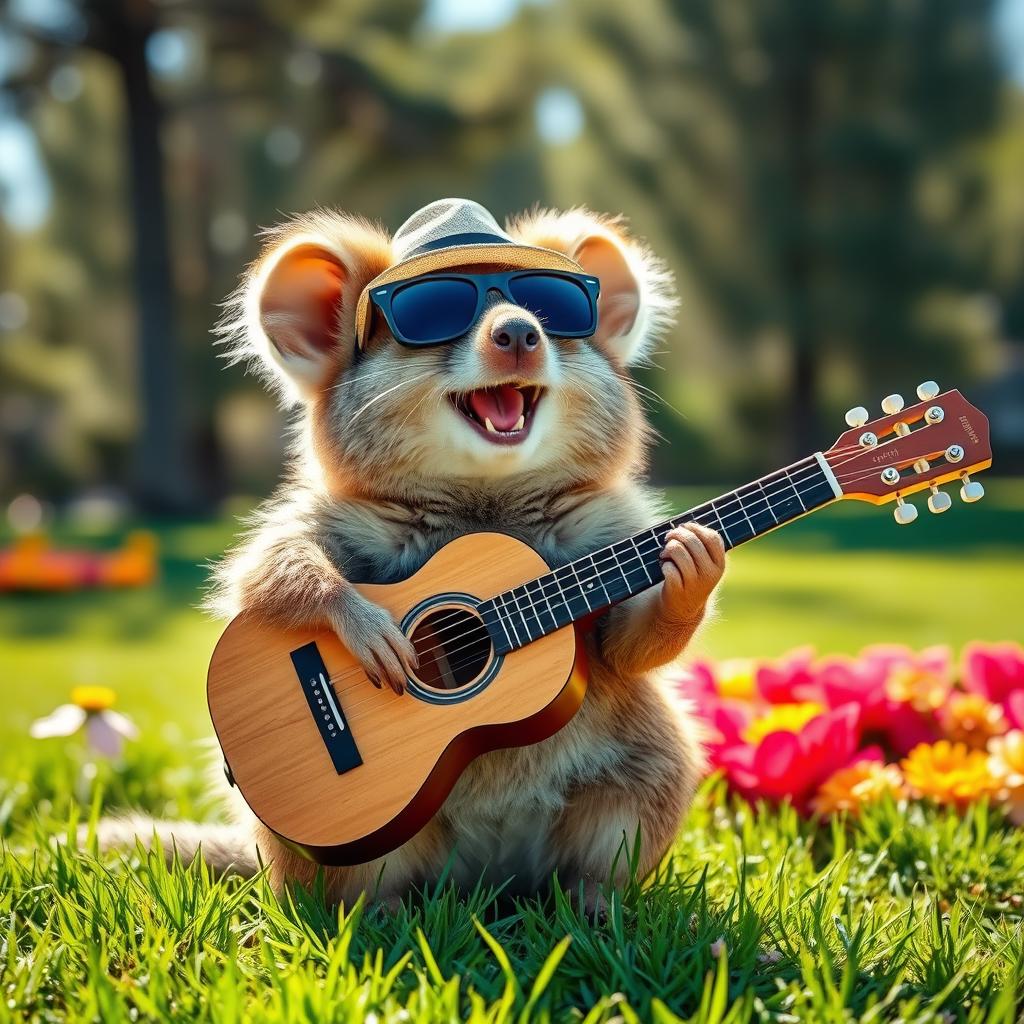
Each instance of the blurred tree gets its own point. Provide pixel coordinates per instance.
(120, 31)
(808, 158)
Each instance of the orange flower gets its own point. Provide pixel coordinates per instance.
(948, 772)
(923, 689)
(970, 718)
(1006, 763)
(861, 783)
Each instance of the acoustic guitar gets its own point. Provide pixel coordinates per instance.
(346, 772)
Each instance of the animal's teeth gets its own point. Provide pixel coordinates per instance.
(520, 423)
(490, 426)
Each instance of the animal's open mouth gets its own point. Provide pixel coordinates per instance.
(503, 413)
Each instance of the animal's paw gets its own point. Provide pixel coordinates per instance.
(692, 563)
(375, 640)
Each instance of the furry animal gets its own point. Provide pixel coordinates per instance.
(389, 463)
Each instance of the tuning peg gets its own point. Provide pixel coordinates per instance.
(892, 404)
(904, 512)
(939, 500)
(857, 416)
(971, 490)
(927, 391)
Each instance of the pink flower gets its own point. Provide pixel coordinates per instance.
(790, 764)
(883, 681)
(996, 671)
(791, 679)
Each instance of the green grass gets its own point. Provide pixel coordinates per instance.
(906, 914)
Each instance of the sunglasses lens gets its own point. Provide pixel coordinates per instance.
(561, 305)
(430, 311)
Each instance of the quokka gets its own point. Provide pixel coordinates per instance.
(398, 450)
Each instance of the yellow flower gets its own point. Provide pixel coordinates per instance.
(861, 783)
(923, 690)
(93, 698)
(970, 718)
(105, 730)
(1006, 763)
(782, 718)
(948, 772)
(735, 678)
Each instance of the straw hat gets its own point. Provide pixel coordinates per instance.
(453, 233)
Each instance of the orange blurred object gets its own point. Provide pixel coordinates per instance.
(30, 563)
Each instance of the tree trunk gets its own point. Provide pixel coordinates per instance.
(797, 261)
(164, 476)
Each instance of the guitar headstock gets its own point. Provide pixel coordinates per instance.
(940, 439)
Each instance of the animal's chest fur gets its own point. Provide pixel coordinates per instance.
(384, 543)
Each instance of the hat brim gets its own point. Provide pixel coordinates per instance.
(527, 257)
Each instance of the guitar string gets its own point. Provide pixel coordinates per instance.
(726, 520)
(479, 629)
(482, 633)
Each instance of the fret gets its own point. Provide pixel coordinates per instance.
(519, 630)
(789, 480)
(568, 596)
(558, 599)
(587, 590)
(768, 502)
(756, 509)
(618, 565)
(641, 560)
(740, 528)
(785, 506)
(492, 608)
(540, 603)
(721, 526)
(597, 572)
(526, 608)
(497, 606)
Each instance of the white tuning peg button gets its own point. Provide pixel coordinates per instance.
(927, 391)
(904, 513)
(892, 404)
(857, 416)
(939, 501)
(971, 490)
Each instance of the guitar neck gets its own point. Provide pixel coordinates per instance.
(596, 581)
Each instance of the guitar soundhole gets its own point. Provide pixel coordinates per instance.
(453, 646)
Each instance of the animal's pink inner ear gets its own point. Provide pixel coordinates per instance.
(301, 300)
(619, 303)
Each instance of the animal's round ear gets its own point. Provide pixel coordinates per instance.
(619, 303)
(295, 300)
(637, 298)
(293, 315)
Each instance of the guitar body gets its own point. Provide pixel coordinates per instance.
(346, 772)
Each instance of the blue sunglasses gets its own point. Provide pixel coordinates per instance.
(436, 308)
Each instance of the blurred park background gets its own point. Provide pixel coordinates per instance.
(838, 186)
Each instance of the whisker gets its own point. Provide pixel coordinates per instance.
(384, 394)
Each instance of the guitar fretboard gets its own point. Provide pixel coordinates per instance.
(604, 577)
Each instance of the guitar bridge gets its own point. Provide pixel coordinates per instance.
(325, 708)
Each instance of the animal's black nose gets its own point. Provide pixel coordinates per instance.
(515, 332)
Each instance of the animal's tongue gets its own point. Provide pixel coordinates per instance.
(502, 405)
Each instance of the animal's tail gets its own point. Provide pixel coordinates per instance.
(227, 849)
